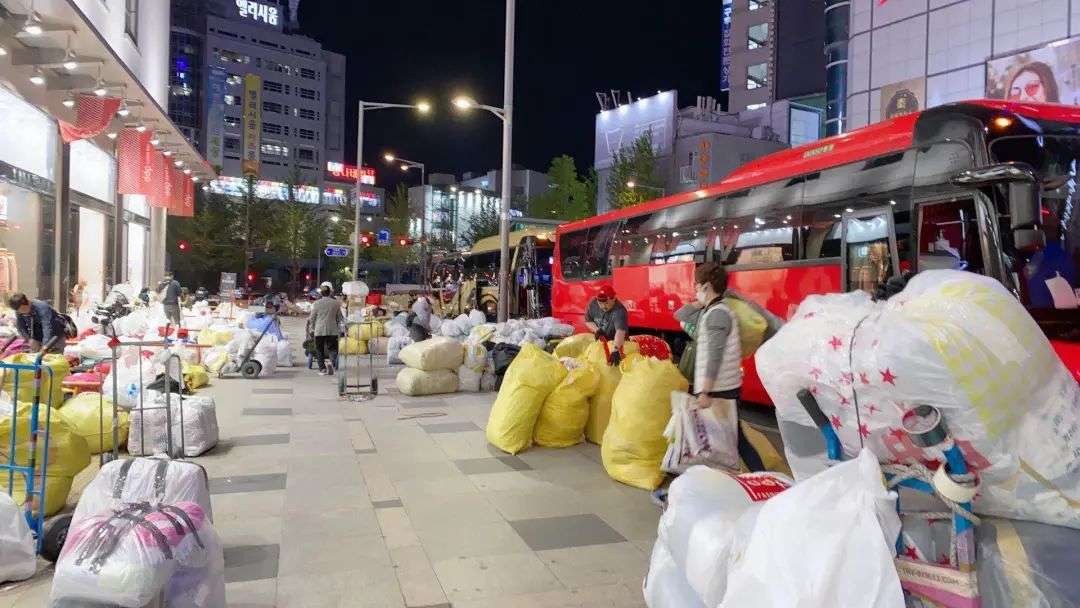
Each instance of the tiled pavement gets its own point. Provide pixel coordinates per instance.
(399, 502)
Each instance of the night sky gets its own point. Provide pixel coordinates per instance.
(566, 50)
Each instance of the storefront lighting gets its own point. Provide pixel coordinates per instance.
(154, 141)
(140, 128)
(69, 102)
(187, 171)
(369, 218)
(69, 58)
(3, 51)
(849, 210)
(836, 215)
(167, 153)
(123, 112)
(179, 163)
(33, 24)
(99, 89)
(37, 77)
(195, 179)
(206, 187)
(453, 188)
(111, 135)
(478, 192)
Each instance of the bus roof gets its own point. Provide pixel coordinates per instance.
(880, 138)
(491, 243)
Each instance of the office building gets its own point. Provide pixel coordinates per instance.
(258, 98)
(906, 56)
(524, 183)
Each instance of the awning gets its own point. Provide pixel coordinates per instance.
(68, 39)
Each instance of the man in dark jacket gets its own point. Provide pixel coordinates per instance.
(170, 298)
(37, 322)
(324, 325)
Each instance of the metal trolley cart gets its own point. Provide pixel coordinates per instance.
(23, 462)
(247, 365)
(350, 385)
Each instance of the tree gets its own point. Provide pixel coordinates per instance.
(296, 231)
(212, 234)
(635, 163)
(483, 223)
(568, 197)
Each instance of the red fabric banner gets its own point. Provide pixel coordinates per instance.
(157, 174)
(92, 117)
(131, 159)
(189, 197)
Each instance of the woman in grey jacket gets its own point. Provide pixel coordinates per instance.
(324, 324)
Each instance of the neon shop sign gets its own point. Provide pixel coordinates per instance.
(258, 11)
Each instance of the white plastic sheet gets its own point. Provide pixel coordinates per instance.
(954, 340)
(129, 381)
(199, 424)
(828, 541)
(95, 347)
(665, 586)
(284, 353)
(18, 560)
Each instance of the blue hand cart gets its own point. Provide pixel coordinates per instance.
(49, 536)
(949, 582)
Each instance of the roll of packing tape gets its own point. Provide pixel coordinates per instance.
(952, 489)
(925, 425)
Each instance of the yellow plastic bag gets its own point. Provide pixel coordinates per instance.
(634, 443)
(195, 376)
(206, 337)
(752, 326)
(352, 346)
(574, 345)
(367, 330)
(531, 377)
(566, 410)
(600, 403)
(68, 455)
(52, 388)
(215, 360)
(223, 337)
(90, 417)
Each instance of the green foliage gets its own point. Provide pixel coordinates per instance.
(636, 163)
(568, 197)
(212, 233)
(483, 223)
(397, 221)
(295, 231)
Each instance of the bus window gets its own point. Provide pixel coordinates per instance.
(597, 248)
(764, 239)
(687, 245)
(632, 245)
(572, 251)
(949, 237)
(821, 233)
(869, 249)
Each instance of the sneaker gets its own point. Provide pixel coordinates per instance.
(329, 370)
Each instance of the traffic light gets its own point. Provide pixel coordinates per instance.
(307, 277)
(251, 277)
(365, 240)
(403, 241)
(183, 245)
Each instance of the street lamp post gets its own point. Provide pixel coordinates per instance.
(634, 186)
(423, 107)
(506, 114)
(407, 164)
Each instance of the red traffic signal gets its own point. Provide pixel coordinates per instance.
(307, 277)
(403, 242)
(365, 240)
(251, 277)
(183, 245)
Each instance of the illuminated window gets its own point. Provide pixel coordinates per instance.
(756, 106)
(234, 80)
(275, 150)
(756, 4)
(232, 122)
(232, 100)
(757, 36)
(757, 75)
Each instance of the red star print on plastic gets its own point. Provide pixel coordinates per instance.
(815, 373)
(865, 379)
(864, 430)
(836, 342)
(836, 422)
(887, 376)
(911, 552)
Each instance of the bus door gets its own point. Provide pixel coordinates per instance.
(956, 234)
(868, 248)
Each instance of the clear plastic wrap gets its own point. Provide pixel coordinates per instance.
(153, 480)
(137, 553)
(954, 340)
(18, 558)
(416, 382)
(200, 427)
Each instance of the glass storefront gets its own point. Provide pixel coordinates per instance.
(20, 236)
(93, 237)
(137, 236)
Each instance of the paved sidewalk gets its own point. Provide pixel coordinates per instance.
(399, 502)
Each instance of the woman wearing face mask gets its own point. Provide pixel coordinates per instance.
(717, 369)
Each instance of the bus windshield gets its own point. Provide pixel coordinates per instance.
(1049, 278)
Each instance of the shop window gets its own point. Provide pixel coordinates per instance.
(757, 75)
(131, 19)
(20, 247)
(757, 36)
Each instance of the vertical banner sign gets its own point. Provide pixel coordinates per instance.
(189, 198)
(131, 160)
(725, 45)
(215, 116)
(252, 124)
(154, 177)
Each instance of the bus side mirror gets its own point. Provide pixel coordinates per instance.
(1025, 204)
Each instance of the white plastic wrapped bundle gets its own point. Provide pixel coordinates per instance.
(453, 328)
(959, 342)
(128, 380)
(200, 427)
(18, 558)
(665, 585)
(550, 327)
(240, 343)
(266, 354)
(393, 348)
(476, 318)
(284, 353)
(415, 382)
(469, 379)
(132, 324)
(95, 347)
(153, 480)
(434, 325)
(138, 553)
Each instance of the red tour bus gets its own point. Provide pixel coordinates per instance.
(985, 186)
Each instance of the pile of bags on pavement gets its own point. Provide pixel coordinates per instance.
(956, 341)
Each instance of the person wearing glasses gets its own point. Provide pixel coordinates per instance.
(606, 318)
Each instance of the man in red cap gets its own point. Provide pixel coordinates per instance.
(606, 317)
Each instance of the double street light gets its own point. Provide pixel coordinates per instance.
(422, 107)
(407, 164)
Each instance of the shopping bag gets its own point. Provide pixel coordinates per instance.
(707, 436)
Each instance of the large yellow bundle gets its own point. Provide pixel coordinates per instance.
(352, 346)
(574, 345)
(634, 443)
(367, 330)
(531, 377)
(600, 402)
(566, 410)
(195, 376)
(68, 454)
(52, 389)
(90, 417)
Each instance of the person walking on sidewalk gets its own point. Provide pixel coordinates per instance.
(170, 298)
(718, 358)
(324, 325)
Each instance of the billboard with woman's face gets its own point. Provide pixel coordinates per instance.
(1050, 74)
